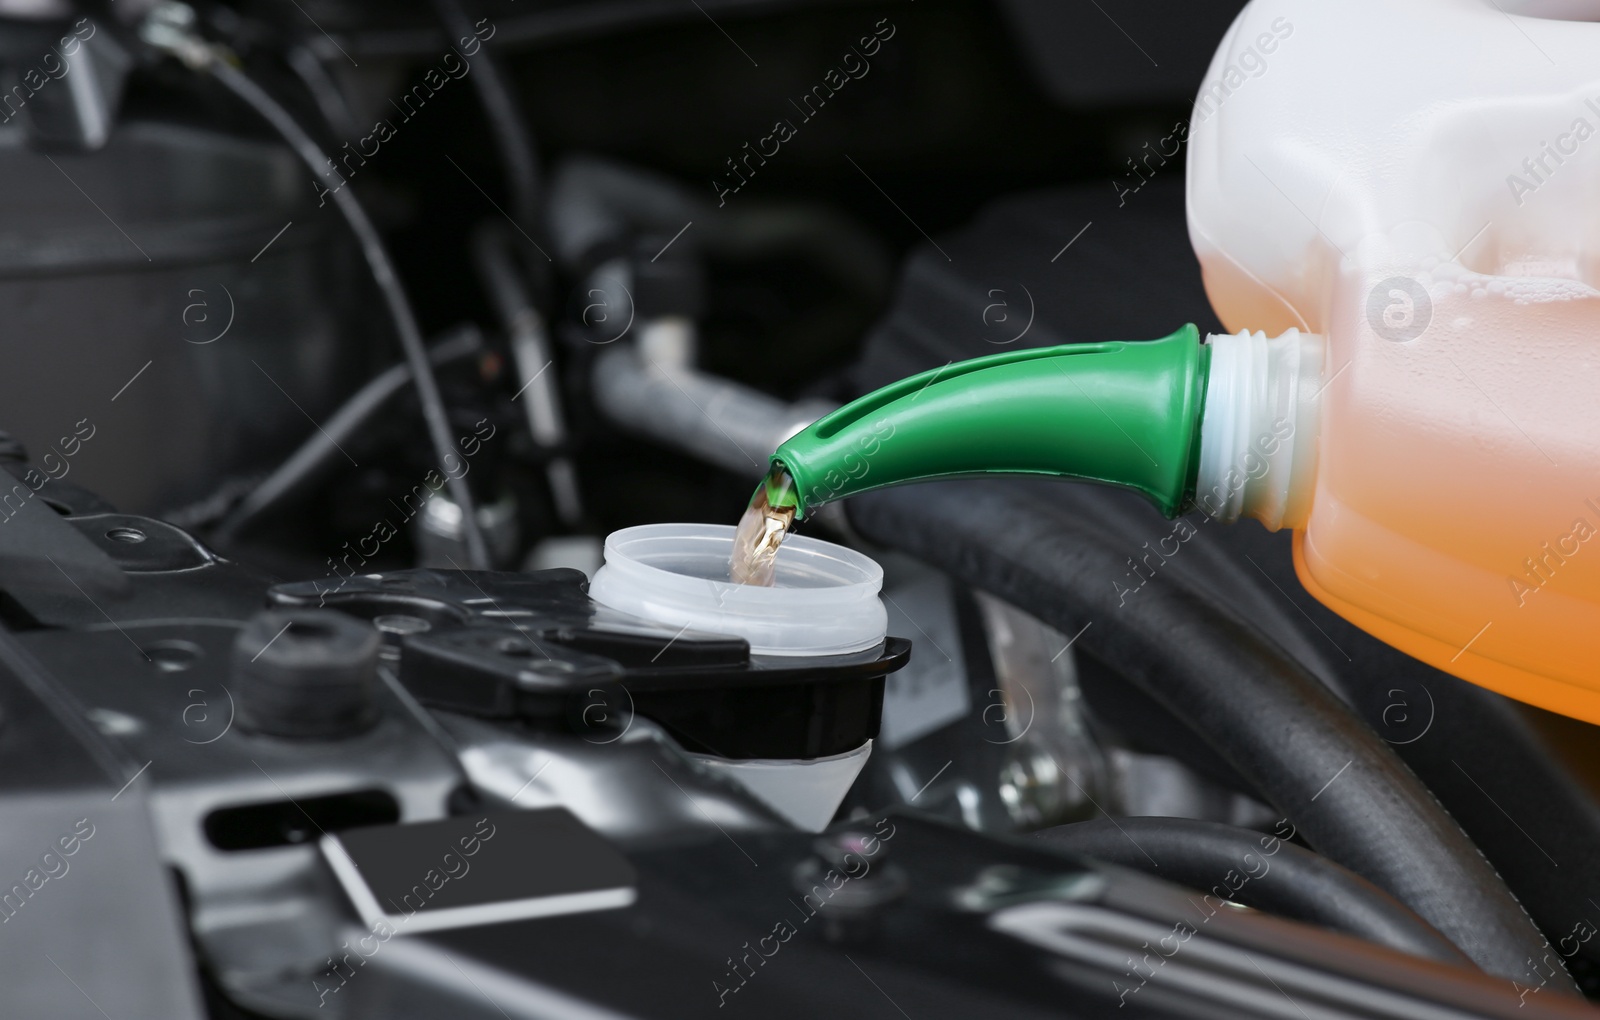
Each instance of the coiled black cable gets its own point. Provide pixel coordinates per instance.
(388, 281)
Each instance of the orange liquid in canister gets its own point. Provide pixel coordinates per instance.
(1456, 512)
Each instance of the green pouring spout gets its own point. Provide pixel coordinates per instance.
(1122, 413)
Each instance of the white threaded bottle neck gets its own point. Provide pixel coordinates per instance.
(1258, 433)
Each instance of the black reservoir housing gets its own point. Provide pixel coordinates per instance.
(534, 647)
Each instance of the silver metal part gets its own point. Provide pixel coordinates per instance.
(265, 917)
(441, 540)
(720, 421)
(636, 785)
(1022, 752)
(1057, 772)
(538, 387)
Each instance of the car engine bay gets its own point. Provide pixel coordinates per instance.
(345, 344)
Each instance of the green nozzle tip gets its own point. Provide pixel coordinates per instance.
(1122, 413)
(778, 487)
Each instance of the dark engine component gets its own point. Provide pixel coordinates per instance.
(177, 250)
(191, 711)
(535, 648)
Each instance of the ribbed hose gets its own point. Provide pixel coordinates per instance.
(1345, 790)
(1272, 875)
(394, 296)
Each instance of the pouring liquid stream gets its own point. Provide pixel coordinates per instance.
(761, 531)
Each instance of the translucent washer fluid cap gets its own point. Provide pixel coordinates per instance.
(824, 602)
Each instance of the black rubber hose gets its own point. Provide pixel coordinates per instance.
(1259, 871)
(514, 142)
(394, 296)
(1306, 753)
(323, 447)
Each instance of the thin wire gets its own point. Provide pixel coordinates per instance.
(518, 154)
(394, 295)
(336, 112)
(320, 448)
